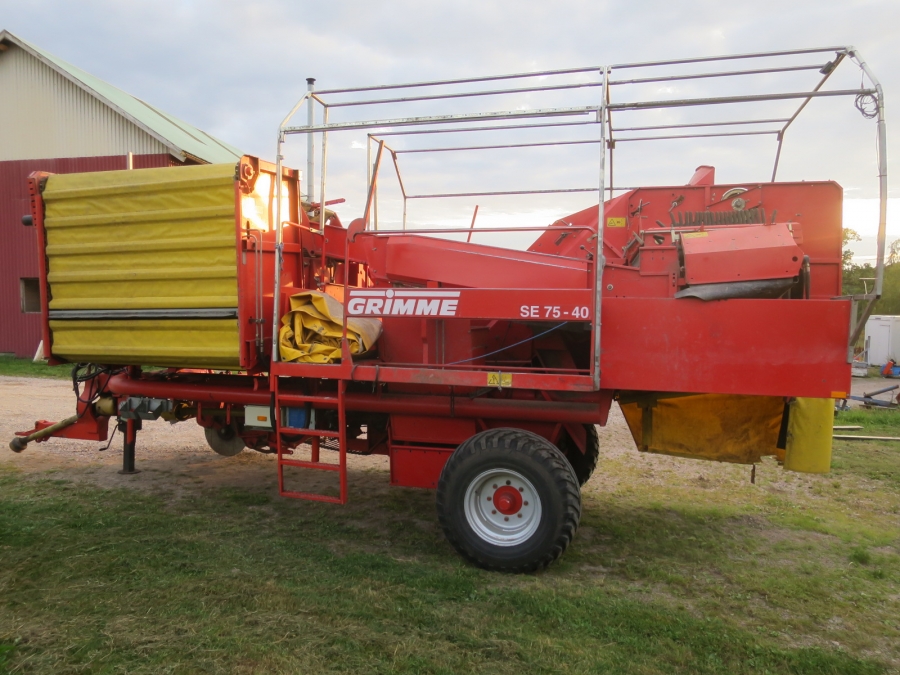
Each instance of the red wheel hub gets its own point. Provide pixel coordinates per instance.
(507, 500)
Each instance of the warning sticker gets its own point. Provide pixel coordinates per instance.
(499, 379)
(615, 222)
(693, 235)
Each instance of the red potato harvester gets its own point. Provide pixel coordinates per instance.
(711, 313)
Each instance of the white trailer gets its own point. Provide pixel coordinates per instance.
(882, 339)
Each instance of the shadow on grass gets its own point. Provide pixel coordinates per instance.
(105, 580)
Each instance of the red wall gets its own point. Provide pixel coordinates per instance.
(20, 333)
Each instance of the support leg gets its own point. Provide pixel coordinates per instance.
(128, 448)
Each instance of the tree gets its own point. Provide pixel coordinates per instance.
(894, 253)
(850, 277)
(848, 235)
(857, 279)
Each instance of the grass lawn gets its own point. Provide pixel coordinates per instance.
(874, 421)
(804, 578)
(673, 570)
(13, 367)
(874, 459)
(9, 365)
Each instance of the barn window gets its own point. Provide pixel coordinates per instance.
(31, 295)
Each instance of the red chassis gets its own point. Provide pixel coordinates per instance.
(478, 336)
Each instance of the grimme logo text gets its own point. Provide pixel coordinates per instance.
(409, 302)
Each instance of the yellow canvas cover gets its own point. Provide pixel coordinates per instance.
(721, 427)
(151, 238)
(139, 261)
(733, 428)
(175, 343)
(311, 332)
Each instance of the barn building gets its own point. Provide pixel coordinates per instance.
(57, 118)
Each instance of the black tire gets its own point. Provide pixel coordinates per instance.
(583, 463)
(225, 441)
(534, 466)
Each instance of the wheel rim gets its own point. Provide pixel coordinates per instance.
(225, 441)
(502, 507)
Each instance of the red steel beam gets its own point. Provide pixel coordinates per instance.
(429, 406)
(122, 385)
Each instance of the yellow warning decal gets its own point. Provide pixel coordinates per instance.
(499, 379)
(692, 235)
(615, 222)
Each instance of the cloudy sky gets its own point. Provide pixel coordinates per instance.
(235, 68)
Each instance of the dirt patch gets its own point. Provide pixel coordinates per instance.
(171, 457)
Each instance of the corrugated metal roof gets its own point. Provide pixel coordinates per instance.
(54, 117)
(183, 140)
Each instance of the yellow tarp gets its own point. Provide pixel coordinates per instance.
(147, 239)
(150, 239)
(732, 428)
(311, 332)
(177, 343)
(725, 428)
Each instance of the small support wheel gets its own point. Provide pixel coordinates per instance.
(583, 463)
(509, 501)
(225, 441)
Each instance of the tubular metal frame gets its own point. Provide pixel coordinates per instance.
(600, 114)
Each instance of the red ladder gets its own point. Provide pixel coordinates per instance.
(293, 399)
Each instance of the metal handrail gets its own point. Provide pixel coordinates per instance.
(465, 230)
(601, 115)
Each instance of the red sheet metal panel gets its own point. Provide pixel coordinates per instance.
(19, 332)
(475, 303)
(814, 206)
(753, 347)
(740, 254)
(412, 258)
(431, 430)
(418, 466)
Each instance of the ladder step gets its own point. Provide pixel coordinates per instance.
(291, 431)
(311, 496)
(322, 466)
(289, 399)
